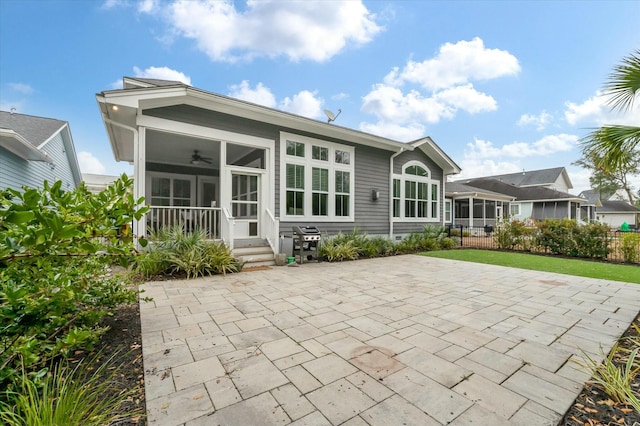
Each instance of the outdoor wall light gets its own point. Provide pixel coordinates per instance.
(375, 194)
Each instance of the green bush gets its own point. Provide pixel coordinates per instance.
(56, 249)
(566, 237)
(337, 249)
(511, 234)
(170, 252)
(630, 247)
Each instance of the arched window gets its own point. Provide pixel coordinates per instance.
(415, 195)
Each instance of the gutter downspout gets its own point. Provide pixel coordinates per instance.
(391, 191)
(138, 188)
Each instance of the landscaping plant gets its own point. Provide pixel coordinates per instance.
(57, 248)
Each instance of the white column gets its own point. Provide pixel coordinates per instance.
(139, 184)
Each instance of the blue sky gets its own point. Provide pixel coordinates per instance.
(500, 86)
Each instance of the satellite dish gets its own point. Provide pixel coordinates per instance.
(331, 116)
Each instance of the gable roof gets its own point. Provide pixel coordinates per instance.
(593, 197)
(35, 130)
(617, 207)
(528, 193)
(533, 177)
(149, 93)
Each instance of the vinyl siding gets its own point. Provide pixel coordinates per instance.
(16, 172)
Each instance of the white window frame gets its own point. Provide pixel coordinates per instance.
(309, 163)
(448, 212)
(511, 206)
(171, 177)
(424, 179)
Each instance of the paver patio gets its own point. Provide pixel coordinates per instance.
(399, 340)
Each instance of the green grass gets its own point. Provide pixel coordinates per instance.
(580, 268)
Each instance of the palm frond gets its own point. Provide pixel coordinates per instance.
(624, 82)
(612, 145)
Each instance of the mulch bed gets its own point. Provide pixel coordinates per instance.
(592, 407)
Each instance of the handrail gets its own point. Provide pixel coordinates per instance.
(227, 228)
(272, 229)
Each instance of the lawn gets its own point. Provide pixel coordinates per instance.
(580, 268)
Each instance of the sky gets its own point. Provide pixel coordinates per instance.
(500, 86)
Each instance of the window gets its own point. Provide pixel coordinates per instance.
(415, 195)
(447, 211)
(295, 148)
(320, 153)
(295, 189)
(164, 189)
(396, 197)
(318, 185)
(320, 188)
(514, 210)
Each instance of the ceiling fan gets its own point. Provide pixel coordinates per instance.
(197, 159)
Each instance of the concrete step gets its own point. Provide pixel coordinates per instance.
(255, 255)
(245, 251)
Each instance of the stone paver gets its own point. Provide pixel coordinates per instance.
(406, 339)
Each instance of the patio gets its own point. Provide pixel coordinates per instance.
(400, 340)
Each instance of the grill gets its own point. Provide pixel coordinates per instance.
(306, 240)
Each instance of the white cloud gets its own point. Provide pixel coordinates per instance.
(22, 88)
(459, 63)
(406, 133)
(596, 112)
(111, 4)
(162, 73)
(442, 86)
(301, 30)
(89, 163)
(261, 95)
(540, 121)
(580, 179)
(475, 167)
(340, 96)
(547, 145)
(147, 6)
(304, 103)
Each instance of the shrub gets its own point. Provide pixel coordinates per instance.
(630, 247)
(512, 234)
(170, 251)
(56, 247)
(567, 237)
(337, 249)
(82, 395)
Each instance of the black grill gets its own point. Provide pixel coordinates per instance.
(306, 240)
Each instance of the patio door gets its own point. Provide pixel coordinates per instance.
(245, 198)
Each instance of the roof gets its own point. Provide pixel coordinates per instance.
(150, 92)
(529, 193)
(593, 196)
(617, 207)
(453, 189)
(533, 177)
(35, 130)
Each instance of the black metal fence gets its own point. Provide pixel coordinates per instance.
(621, 247)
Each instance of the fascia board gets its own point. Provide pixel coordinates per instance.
(21, 147)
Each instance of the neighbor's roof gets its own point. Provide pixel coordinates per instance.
(594, 197)
(35, 130)
(453, 189)
(617, 207)
(137, 82)
(532, 177)
(529, 193)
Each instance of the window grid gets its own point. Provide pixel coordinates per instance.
(415, 196)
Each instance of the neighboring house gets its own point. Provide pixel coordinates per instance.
(245, 171)
(97, 183)
(612, 209)
(555, 178)
(525, 195)
(35, 149)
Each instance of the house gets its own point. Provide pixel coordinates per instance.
(242, 171)
(612, 209)
(533, 194)
(96, 183)
(34, 149)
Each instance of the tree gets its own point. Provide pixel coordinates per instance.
(615, 146)
(608, 181)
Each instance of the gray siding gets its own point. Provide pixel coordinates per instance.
(16, 172)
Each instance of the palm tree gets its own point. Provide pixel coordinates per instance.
(613, 144)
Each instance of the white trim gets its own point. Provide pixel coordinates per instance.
(171, 176)
(418, 179)
(511, 206)
(309, 163)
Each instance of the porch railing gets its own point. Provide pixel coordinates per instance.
(271, 230)
(206, 219)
